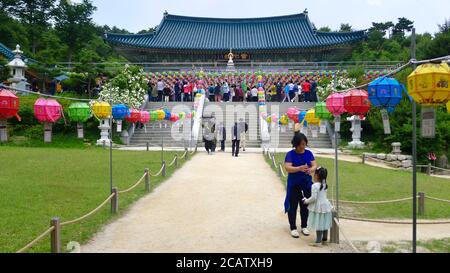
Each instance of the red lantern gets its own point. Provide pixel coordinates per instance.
(134, 116)
(9, 105)
(47, 110)
(145, 117)
(335, 104)
(356, 102)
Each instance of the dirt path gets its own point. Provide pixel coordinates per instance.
(235, 205)
(363, 231)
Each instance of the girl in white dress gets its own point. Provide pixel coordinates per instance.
(320, 209)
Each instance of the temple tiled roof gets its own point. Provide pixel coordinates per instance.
(196, 33)
(6, 52)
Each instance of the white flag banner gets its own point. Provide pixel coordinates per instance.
(337, 123)
(428, 122)
(386, 124)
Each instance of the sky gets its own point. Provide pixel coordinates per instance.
(136, 15)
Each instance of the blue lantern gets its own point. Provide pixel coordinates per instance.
(301, 118)
(168, 114)
(385, 93)
(119, 112)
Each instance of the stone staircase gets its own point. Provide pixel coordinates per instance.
(285, 138)
(158, 132)
(228, 113)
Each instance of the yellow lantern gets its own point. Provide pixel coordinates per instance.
(429, 84)
(102, 110)
(311, 117)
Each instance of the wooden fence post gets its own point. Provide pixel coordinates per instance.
(55, 236)
(147, 180)
(334, 236)
(115, 201)
(421, 203)
(148, 146)
(429, 169)
(364, 159)
(164, 168)
(187, 154)
(176, 161)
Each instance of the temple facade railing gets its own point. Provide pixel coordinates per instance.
(221, 66)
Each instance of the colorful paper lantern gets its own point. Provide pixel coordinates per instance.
(356, 102)
(292, 113)
(335, 104)
(311, 117)
(161, 114)
(429, 84)
(153, 116)
(120, 111)
(322, 111)
(133, 116)
(167, 115)
(102, 110)
(9, 105)
(47, 110)
(385, 93)
(79, 112)
(144, 117)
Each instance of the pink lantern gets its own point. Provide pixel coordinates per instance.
(335, 104)
(274, 118)
(47, 110)
(292, 113)
(356, 102)
(145, 117)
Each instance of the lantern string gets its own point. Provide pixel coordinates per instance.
(40, 94)
(445, 58)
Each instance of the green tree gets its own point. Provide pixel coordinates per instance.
(74, 25)
(53, 49)
(403, 25)
(440, 45)
(324, 29)
(144, 31)
(35, 15)
(12, 32)
(345, 28)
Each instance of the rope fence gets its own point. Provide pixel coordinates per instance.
(89, 213)
(29, 245)
(135, 185)
(393, 221)
(55, 228)
(341, 231)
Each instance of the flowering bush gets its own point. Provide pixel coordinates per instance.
(326, 87)
(129, 88)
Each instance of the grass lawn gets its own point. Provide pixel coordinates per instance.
(358, 182)
(37, 184)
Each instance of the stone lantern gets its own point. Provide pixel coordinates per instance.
(18, 67)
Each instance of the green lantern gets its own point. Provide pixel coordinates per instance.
(322, 111)
(79, 112)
